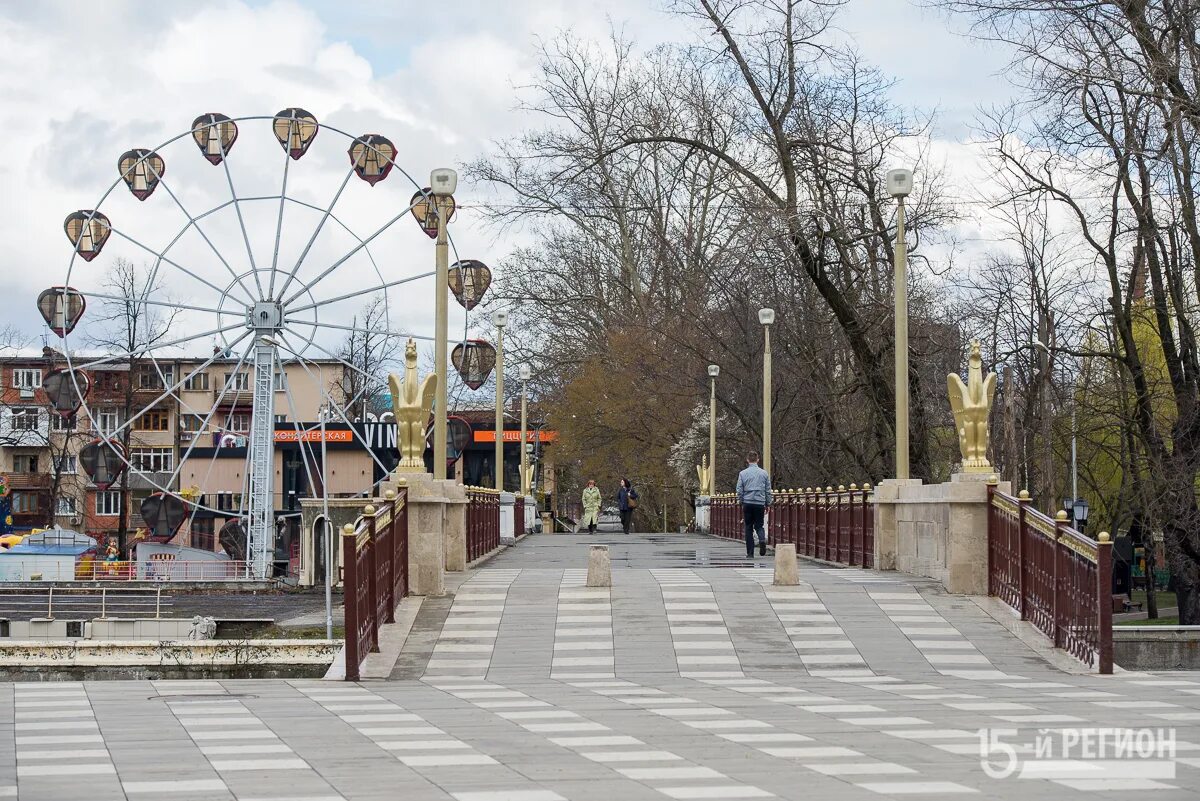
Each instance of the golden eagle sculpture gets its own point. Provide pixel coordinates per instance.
(411, 404)
(971, 403)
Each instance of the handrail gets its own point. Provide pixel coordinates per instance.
(375, 573)
(834, 525)
(1055, 577)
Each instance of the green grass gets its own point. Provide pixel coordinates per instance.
(1162, 621)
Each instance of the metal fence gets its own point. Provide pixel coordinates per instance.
(483, 521)
(1056, 578)
(375, 574)
(834, 525)
(148, 570)
(83, 603)
(519, 516)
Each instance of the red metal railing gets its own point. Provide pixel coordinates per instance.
(374, 574)
(483, 521)
(519, 516)
(834, 525)
(1055, 577)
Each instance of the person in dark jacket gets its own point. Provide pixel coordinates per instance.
(754, 493)
(626, 503)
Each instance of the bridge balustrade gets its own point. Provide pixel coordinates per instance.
(374, 574)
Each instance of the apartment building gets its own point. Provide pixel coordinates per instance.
(174, 437)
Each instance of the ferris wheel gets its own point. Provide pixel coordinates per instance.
(258, 263)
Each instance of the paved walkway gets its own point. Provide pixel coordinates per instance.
(693, 678)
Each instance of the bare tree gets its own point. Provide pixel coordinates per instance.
(130, 329)
(1109, 129)
(367, 351)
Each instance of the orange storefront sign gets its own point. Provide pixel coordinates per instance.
(515, 436)
(314, 436)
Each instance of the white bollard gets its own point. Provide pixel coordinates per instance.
(599, 567)
(787, 572)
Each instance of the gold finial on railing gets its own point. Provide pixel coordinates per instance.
(841, 487)
(1023, 495)
(390, 495)
(1060, 516)
(853, 487)
(369, 509)
(348, 530)
(829, 489)
(993, 480)
(1104, 536)
(867, 486)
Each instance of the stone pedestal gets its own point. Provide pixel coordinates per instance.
(428, 502)
(599, 567)
(456, 526)
(936, 530)
(508, 530)
(886, 494)
(547, 523)
(702, 507)
(787, 572)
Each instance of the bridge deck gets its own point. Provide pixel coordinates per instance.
(693, 678)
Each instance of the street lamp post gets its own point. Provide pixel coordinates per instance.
(899, 185)
(442, 182)
(713, 371)
(766, 317)
(500, 319)
(525, 374)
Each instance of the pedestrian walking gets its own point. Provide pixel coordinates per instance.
(754, 494)
(627, 501)
(591, 506)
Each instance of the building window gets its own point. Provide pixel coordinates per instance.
(197, 382)
(152, 460)
(25, 418)
(107, 381)
(279, 381)
(66, 464)
(191, 422)
(62, 424)
(240, 422)
(65, 506)
(239, 381)
(25, 463)
(202, 534)
(108, 421)
(148, 377)
(27, 379)
(24, 503)
(108, 502)
(281, 418)
(153, 420)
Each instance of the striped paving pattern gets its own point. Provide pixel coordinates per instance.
(468, 636)
(583, 634)
(664, 771)
(942, 645)
(822, 644)
(698, 631)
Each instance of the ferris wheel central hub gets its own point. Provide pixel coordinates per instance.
(265, 317)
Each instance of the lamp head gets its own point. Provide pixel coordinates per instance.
(500, 318)
(766, 316)
(525, 372)
(899, 182)
(443, 181)
(1081, 510)
(714, 370)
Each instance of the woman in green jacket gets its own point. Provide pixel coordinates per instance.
(591, 506)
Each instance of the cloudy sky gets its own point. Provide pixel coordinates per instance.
(84, 81)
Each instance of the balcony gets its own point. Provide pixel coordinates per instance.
(29, 481)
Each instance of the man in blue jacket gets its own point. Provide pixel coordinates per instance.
(754, 494)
